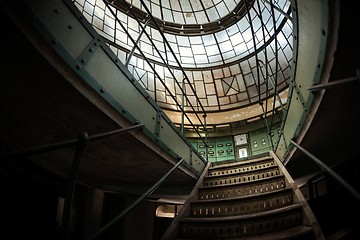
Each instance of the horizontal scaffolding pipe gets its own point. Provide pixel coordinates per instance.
(64, 144)
(141, 198)
(318, 87)
(328, 170)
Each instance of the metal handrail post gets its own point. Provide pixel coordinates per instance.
(64, 144)
(83, 140)
(130, 207)
(183, 105)
(206, 143)
(336, 83)
(330, 171)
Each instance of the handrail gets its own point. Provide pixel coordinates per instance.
(64, 144)
(130, 207)
(333, 174)
(81, 143)
(335, 83)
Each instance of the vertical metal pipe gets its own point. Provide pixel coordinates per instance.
(273, 85)
(80, 147)
(183, 92)
(267, 126)
(206, 143)
(134, 204)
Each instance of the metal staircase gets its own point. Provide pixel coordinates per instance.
(251, 199)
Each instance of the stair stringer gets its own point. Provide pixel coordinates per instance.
(173, 229)
(309, 217)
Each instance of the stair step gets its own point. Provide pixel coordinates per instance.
(295, 233)
(242, 188)
(242, 163)
(292, 207)
(242, 176)
(242, 204)
(253, 199)
(241, 168)
(243, 225)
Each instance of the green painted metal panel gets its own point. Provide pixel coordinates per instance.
(259, 141)
(63, 25)
(219, 149)
(281, 149)
(312, 23)
(293, 120)
(113, 81)
(311, 18)
(173, 140)
(276, 134)
(224, 149)
(197, 163)
(211, 150)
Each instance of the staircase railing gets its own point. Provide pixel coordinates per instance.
(328, 170)
(300, 198)
(130, 207)
(172, 229)
(81, 143)
(200, 113)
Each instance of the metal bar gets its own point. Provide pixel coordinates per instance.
(329, 171)
(166, 64)
(267, 125)
(255, 48)
(172, 52)
(206, 143)
(137, 41)
(278, 9)
(183, 106)
(83, 140)
(164, 61)
(64, 144)
(273, 85)
(40, 149)
(130, 207)
(335, 83)
(160, 55)
(122, 130)
(263, 26)
(276, 61)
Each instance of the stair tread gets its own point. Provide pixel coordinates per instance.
(293, 206)
(239, 198)
(240, 173)
(289, 233)
(239, 163)
(242, 183)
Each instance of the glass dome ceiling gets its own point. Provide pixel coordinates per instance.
(233, 53)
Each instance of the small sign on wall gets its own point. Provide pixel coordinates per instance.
(242, 152)
(240, 139)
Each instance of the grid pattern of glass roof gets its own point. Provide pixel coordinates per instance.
(188, 11)
(229, 67)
